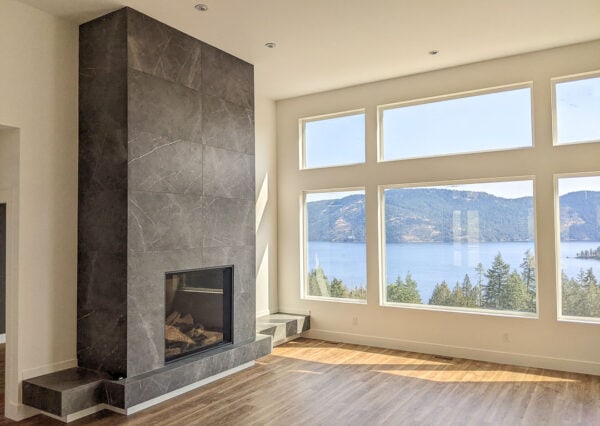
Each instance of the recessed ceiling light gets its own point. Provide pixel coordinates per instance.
(434, 52)
(271, 45)
(201, 7)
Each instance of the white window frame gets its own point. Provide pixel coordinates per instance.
(304, 247)
(466, 94)
(565, 79)
(456, 309)
(557, 251)
(302, 143)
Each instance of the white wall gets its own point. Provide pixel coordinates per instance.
(266, 205)
(38, 87)
(543, 342)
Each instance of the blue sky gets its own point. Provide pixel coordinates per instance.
(578, 109)
(468, 124)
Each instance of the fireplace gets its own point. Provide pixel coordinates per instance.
(198, 310)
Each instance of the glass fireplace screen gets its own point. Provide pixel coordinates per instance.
(198, 310)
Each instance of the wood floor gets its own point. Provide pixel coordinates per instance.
(312, 382)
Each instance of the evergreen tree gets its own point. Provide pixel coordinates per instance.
(441, 295)
(528, 276)
(497, 277)
(573, 297)
(457, 298)
(412, 294)
(581, 296)
(404, 292)
(472, 294)
(591, 290)
(480, 276)
(318, 284)
(515, 296)
(337, 289)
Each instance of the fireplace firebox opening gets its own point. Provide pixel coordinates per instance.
(198, 310)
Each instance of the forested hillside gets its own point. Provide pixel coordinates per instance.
(442, 215)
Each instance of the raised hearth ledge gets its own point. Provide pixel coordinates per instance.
(100, 407)
(137, 393)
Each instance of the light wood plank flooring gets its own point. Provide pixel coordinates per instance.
(312, 382)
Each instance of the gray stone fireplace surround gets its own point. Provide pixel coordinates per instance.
(166, 183)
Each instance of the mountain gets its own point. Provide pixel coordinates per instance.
(580, 216)
(443, 215)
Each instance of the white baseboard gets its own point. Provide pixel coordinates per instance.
(78, 415)
(2, 338)
(511, 358)
(48, 368)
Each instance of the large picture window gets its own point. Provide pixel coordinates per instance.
(579, 263)
(577, 110)
(334, 245)
(464, 246)
(333, 140)
(496, 120)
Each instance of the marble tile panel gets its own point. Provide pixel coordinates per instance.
(227, 77)
(227, 222)
(163, 221)
(103, 43)
(187, 371)
(228, 174)
(244, 297)
(102, 103)
(163, 108)
(102, 281)
(227, 125)
(103, 75)
(145, 330)
(244, 316)
(102, 341)
(162, 51)
(102, 221)
(146, 301)
(103, 158)
(159, 164)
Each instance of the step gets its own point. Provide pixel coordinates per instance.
(65, 392)
(282, 327)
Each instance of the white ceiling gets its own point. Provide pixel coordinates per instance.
(327, 44)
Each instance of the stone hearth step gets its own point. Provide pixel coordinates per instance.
(65, 392)
(72, 393)
(282, 327)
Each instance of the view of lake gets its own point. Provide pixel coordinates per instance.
(430, 263)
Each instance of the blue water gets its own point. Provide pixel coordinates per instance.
(430, 263)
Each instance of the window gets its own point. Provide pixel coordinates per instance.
(579, 263)
(335, 251)
(577, 110)
(465, 246)
(333, 140)
(471, 123)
